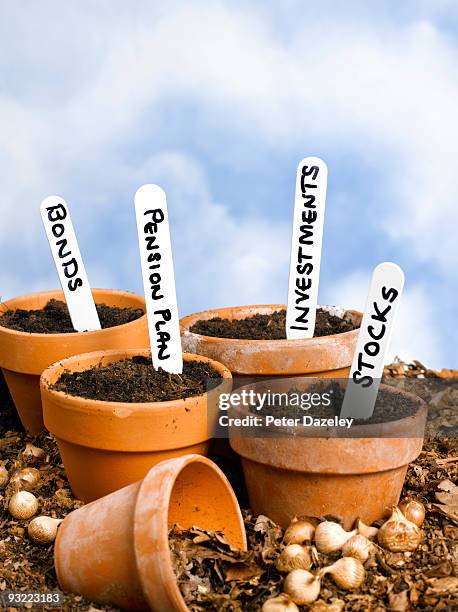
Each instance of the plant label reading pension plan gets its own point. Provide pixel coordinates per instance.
(304, 271)
(373, 341)
(158, 278)
(69, 263)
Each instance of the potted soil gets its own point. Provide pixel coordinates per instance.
(114, 416)
(251, 340)
(321, 469)
(36, 330)
(116, 550)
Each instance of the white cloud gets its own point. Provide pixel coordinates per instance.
(82, 86)
(415, 332)
(386, 94)
(226, 260)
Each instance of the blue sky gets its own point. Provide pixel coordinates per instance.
(217, 102)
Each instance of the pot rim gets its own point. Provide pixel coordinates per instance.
(62, 336)
(77, 403)
(189, 320)
(143, 530)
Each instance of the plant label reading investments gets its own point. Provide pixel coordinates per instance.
(304, 271)
(158, 278)
(69, 263)
(373, 341)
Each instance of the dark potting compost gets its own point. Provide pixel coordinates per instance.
(269, 326)
(54, 318)
(389, 407)
(136, 380)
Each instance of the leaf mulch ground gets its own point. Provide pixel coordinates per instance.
(426, 579)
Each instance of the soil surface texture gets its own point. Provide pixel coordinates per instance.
(136, 380)
(54, 318)
(268, 326)
(388, 406)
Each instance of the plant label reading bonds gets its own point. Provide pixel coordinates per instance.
(158, 278)
(304, 271)
(373, 341)
(69, 263)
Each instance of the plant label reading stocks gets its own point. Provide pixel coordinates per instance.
(158, 278)
(69, 263)
(304, 271)
(373, 341)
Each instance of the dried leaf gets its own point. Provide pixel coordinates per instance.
(399, 602)
(446, 460)
(243, 571)
(443, 586)
(439, 571)
(201, 538)
(336, 605)
(448, 498)
(264, 525)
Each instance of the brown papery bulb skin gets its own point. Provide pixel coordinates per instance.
(25, 479)
(33, 455)
(366, 530)
(43, 529)
(413, 510)
(23, 505)
(399, 534)
(299, 531)
(302, 586)
(4, 476)
(330, 537)
(347, 573)
(281, 603)
(294, 556)
(358, 547)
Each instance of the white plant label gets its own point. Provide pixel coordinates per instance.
(304, 271)
(69, 263)
(373, 341)
(158, 278)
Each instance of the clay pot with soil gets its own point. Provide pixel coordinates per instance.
(36, 331)
(116, 550)
(251, 340)
(320, 471)
(114, 416)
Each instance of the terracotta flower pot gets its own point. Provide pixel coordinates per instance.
(349, 477)
(108, 445)
(318, 357)
(116, 551)
(24, 356)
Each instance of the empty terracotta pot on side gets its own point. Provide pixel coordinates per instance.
(24, 356)
(108, 445)
(116, 551)
(318, 357)
(358, 476)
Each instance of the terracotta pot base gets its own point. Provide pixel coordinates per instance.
(349, 496)
(115, 551)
